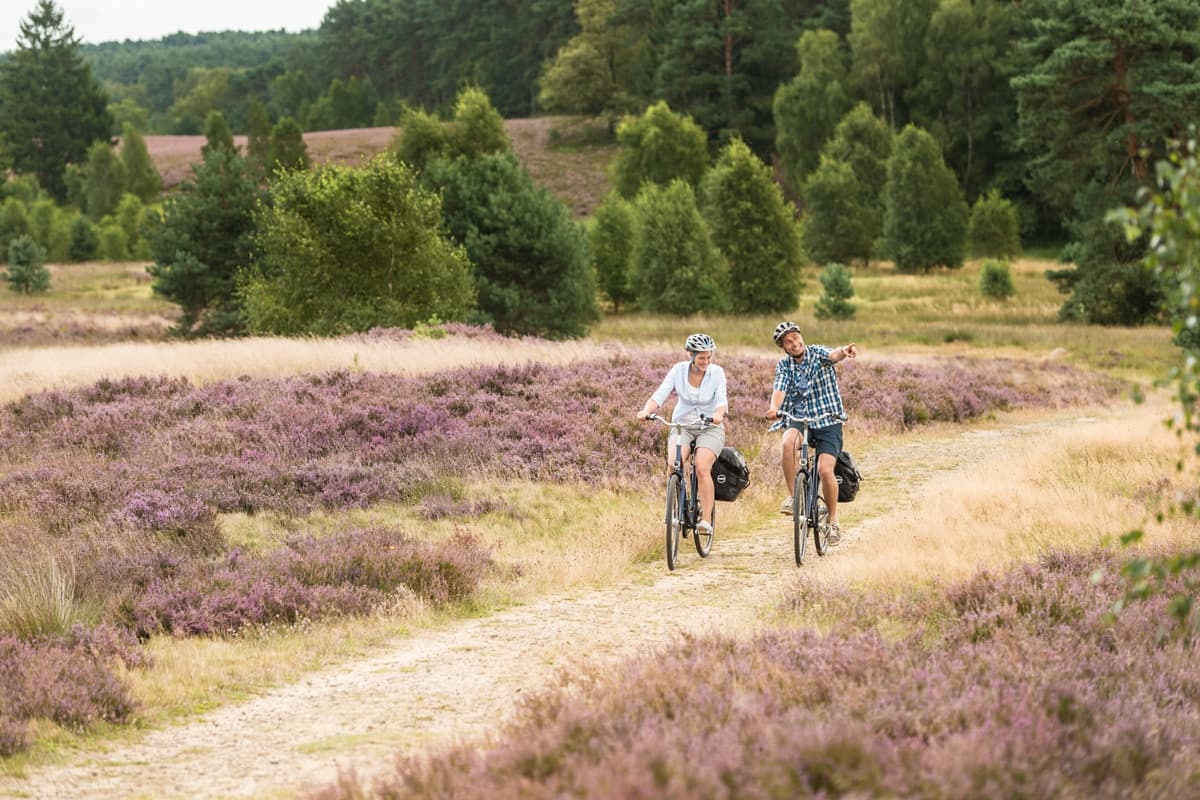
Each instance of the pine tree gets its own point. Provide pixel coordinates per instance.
(141, 176)
(995, 280)
(206, 236)
(838, 225)
(84, 241)
(422, 138)
(258, 138)
(217, 134)
(610, 243)
(755, 229)
(27, 271)
(1104, 85)
(925, 215)
(478, 127)
(51, 109)
(14, 223)
(657, 148)
(863, 141)
(676, 267)
(834, 302)
(288, 151)
(530, 256)
(994, 229)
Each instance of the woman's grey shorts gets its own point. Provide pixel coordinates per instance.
(712, 438)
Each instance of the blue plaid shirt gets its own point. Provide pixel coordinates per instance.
(810, 387)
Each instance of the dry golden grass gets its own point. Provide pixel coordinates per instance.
(1076, 485)
(24, 371)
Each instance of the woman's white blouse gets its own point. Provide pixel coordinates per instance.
(693, 400)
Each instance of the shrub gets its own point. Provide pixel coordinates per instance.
(1005, 686)
(834, 302)
(27, 271)
(345, 250)
(422, 138)
(69, 680)
(995, 280)
(287, 151)
(84, 241)
(478, 128)
(104, 180)
(354, 572)
(530, 258)
(755, 229)
(676, 267)
(994, 227)
(14, 222)
(114, 242)
(42, 218)
(144, 182)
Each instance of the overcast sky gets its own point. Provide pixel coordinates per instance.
(97, 21)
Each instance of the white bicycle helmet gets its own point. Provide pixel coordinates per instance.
(700, 343)
(782, 330)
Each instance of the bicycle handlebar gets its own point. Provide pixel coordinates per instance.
(705, 422)
(781, 414)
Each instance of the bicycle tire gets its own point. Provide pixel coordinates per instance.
(673, 520)
(819, 523)
(704, 541)
(800, 515)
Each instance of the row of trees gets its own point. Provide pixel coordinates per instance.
(1057, 105)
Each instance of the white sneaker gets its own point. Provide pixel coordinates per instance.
(704, 528)
(786, 507)
(834, 533)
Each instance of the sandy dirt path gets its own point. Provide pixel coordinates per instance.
(460, 682)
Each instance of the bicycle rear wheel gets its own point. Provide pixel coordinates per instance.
(704, 541)
(674, 519)
(800, 515)
(820, 524)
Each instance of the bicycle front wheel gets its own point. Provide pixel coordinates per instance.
(674, 519)
(800, 515)
(704, 541)
(820, 524)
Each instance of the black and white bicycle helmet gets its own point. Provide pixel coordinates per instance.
(782, 330)
(700, 343)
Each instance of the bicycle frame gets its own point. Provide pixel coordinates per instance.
(809, 511)
(682, 514)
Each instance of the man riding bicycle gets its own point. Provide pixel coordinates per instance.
(699, 386)
(806, 385)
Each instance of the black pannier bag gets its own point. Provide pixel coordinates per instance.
(848, 477)
(730, 474)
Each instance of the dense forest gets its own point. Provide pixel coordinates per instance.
(1060, 107)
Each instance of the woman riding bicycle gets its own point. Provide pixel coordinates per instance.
(699, 386)
(806, 384)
